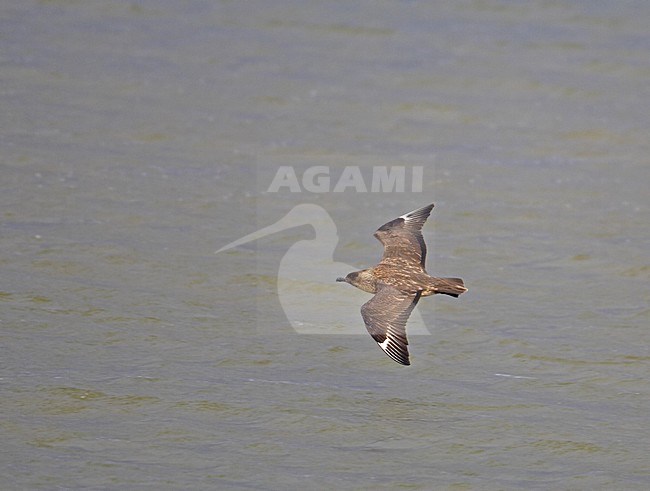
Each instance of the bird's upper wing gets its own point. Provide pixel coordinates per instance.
(385, 316)
(402, 237)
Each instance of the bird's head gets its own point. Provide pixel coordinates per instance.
(350, 278)
(364, 280)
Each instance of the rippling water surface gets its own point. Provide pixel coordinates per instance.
(140, 137)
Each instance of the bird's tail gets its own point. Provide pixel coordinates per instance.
(450, 286)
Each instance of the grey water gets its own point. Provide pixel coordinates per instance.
(140, 137)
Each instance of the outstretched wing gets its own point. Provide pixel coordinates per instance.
(402, 237)
(385, 316)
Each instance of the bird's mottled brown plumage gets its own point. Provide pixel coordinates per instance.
(398, 282)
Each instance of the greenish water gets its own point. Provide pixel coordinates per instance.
(139, 138)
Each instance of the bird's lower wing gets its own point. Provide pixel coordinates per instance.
(385, 316)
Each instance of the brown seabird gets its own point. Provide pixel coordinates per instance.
(398, 282)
